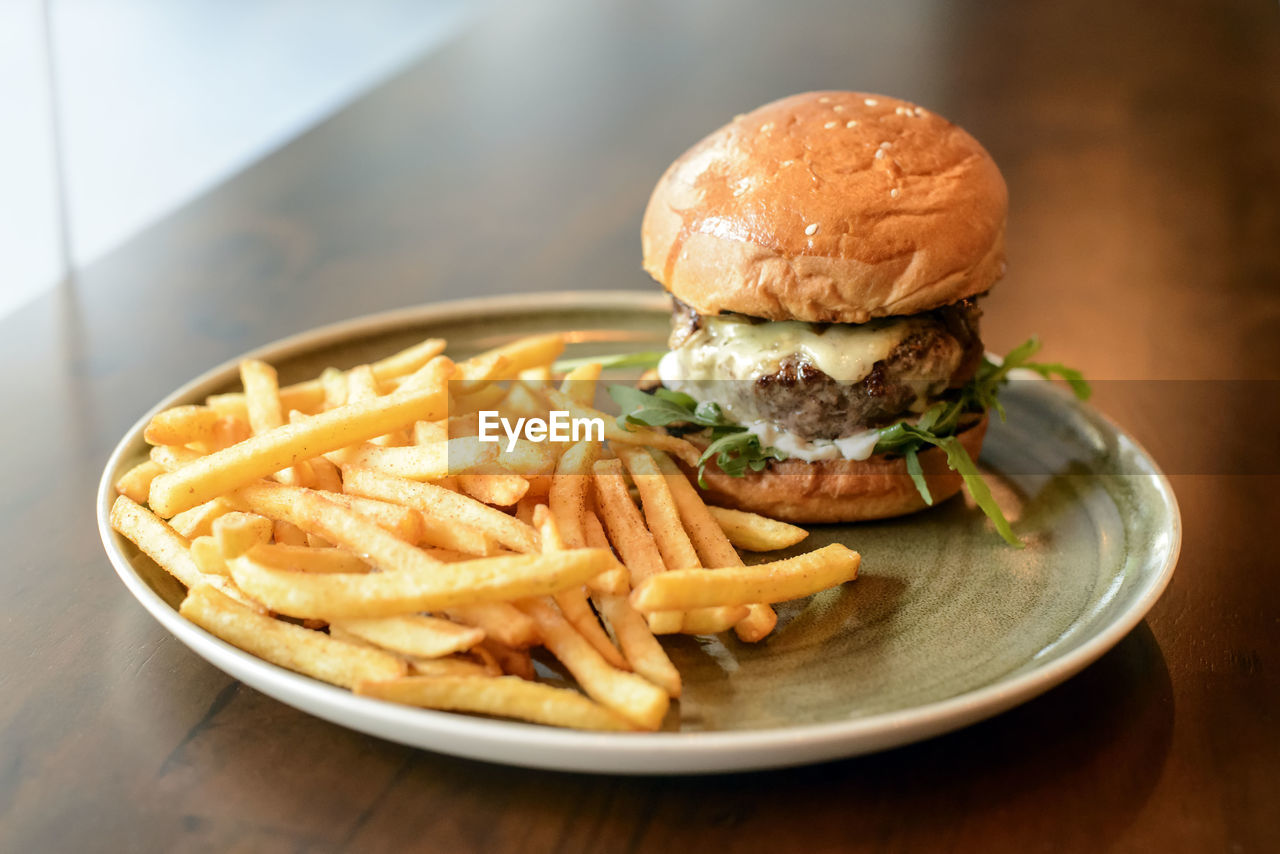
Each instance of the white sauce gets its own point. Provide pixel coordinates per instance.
(858, 446)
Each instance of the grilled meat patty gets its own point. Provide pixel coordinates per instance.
(934, 352)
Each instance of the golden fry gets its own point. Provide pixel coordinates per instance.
(302, 650)
(413, 634)
(503, 696)
(182, 425)
(631, 696)
(435, 502)
(411, 590)
(136, 482)
(262, 455)
(778, 581)
(756, 533)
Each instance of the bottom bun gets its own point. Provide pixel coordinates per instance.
(841, 490)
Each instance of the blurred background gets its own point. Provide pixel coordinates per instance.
(390, 152)
(116, 112)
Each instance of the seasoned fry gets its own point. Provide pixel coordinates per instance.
(199, 520)
(631, 696)
(507, 361)
(580, 383)
(568, 497)
(451, 666)
(421, 462)
(615, 581)
(167, 548)
(512, 661)
(289, 534)
(713, 545)
(171, 458)
(659, 508)
(262, 455)
(436, 502)
(293, 647)
(182, 425)
(308, 559)
(207, 555)
(504, 696)
(573, 601)
(778, 581)
(632, 540)
(156, 539)
(238, 532)
(312, 395)
(756, 533)
(315, 514)
(136, 482)
(430, 586)
(494, 487)
(324, 475)
(404, 522)
(643, 652)
(413, 634)
(501, 622)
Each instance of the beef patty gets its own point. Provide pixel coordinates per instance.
(941, 352)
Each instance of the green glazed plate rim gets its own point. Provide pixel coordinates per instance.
(515, 743)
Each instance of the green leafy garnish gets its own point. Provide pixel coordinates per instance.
(646, 359)
(938, 424)
(733, 447)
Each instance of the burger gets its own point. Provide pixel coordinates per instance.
(826, 255)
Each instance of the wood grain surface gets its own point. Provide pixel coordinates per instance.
(1140, 145)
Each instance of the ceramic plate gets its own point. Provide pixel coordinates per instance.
(945, 626)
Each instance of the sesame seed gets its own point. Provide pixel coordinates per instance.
(766, 127)
(893, 194)
(870, 102)
(884, 145)
(919, 112)
(830, 125)
(879, 154)
(786, 163)
(811, 229)
(824, 100)
(838, 108)
(851, 123)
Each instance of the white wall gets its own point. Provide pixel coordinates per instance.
(161, 100)
(30, 254)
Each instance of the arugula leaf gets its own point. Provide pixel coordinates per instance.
(643, 359)
(733, 447)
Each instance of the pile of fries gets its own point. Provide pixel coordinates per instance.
(353, 528)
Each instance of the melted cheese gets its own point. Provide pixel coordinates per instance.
(731, 348)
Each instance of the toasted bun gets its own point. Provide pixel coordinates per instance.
(828, 207)
(841, 490)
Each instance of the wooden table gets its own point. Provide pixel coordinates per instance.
(1140, 145)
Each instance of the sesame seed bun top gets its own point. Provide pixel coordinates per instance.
(828, 207)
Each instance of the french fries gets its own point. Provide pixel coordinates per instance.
(424, 565)
(261, 455)
(508, 696)
(413, 634)
(303, 650)
(779, 581)
(407, 590)
(755, 533)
